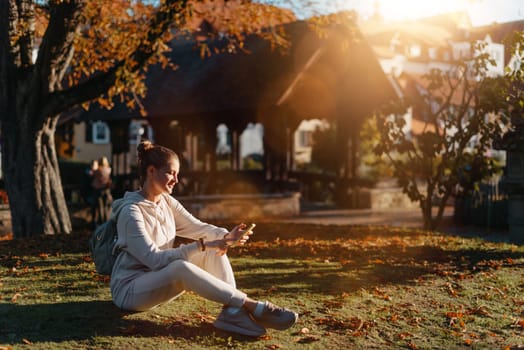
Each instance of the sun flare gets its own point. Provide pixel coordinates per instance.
(410, 9)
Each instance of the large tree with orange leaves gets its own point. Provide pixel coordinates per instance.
(58, 54)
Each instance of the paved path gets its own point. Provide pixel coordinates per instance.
(394, 217)
(411, 218)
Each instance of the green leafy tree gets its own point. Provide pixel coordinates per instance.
(515, 92)
(372, 166)
(465, 110)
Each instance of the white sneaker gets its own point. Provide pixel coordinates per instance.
(276, 317)
(238, 320)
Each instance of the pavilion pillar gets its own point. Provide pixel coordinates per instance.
(191, 148)
(290, 146)
(120, 146)
(235, 150)
(353, 153)
(345, 194)
(210, 137)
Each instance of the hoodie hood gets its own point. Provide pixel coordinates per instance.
(129, 198)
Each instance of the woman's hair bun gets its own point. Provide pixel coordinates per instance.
(149, 154)
(143, 147)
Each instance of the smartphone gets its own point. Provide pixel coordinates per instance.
(246, 231)
(250, 227)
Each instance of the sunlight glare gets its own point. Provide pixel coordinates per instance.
(410, 9)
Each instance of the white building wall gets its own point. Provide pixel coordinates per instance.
(87, 151)
(251, 140)
(303, 138)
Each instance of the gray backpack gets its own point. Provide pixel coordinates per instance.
(102, 244)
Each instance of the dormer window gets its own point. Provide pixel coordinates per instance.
(415, 51)
(432, 53)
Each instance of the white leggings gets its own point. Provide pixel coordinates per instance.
(206, 274)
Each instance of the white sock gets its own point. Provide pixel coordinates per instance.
(259, 308)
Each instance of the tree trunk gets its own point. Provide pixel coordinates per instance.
(426, 208)
(32, 179)
(441, 207)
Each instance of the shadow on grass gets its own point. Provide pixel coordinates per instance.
(319, 258)
(307, 259)
(80, 321)
(77, 242)
(50, 246)
(337, 269)
(59, 321)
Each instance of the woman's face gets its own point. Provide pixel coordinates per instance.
(166, 177)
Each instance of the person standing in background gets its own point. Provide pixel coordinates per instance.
(101, 185)
(87, 191)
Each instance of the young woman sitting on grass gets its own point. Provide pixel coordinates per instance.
(149, 271)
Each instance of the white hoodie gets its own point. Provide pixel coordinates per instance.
(146, 233)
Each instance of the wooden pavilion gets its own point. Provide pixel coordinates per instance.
(334, 77)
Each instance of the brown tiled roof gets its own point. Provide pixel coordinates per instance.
(434, 30)
(500, 33)
(422, 83)
(437, 31)
(418, 126)
(414, 87)
(412, 31)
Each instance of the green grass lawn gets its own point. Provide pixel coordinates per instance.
(354, 288)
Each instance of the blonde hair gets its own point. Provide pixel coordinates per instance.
(155, 155)
(103, 161)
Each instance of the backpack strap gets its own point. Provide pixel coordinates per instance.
(114, 219)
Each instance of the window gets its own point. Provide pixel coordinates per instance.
(138, 131)
(305, 138)
(432, 53)
(99, 132)
(415, 51)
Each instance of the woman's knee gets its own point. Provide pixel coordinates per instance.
(181, 268)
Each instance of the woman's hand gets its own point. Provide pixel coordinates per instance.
(238, 235)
